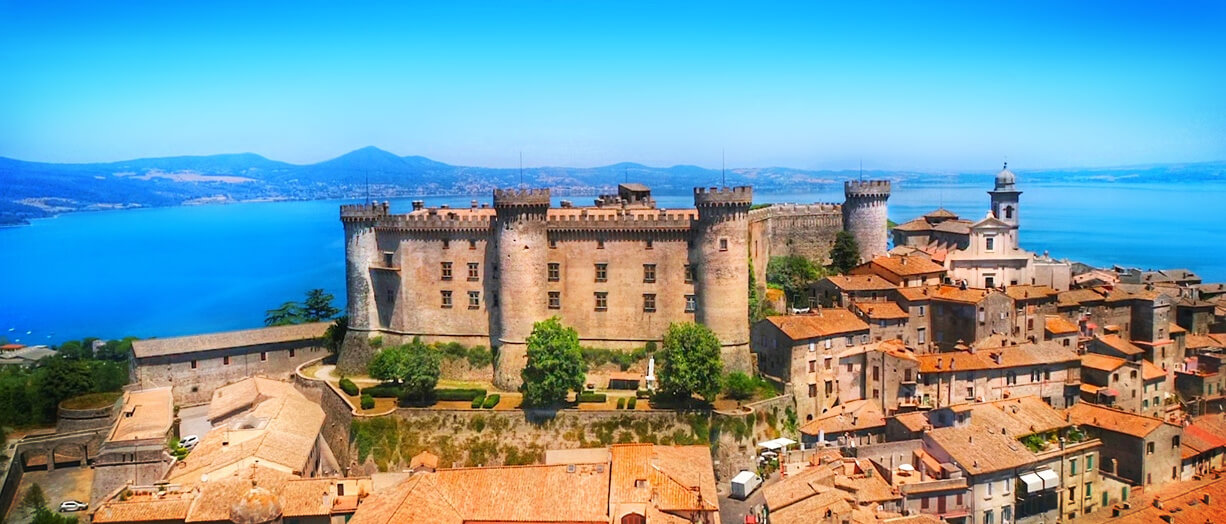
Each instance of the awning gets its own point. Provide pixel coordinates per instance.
(1110, 392)
(776, 444)
(1050, 478)
(1034, 484)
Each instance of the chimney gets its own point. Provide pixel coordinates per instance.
(938, 362)
(903, 261)
(1115, 511)
(418, 205)
(1205, 498)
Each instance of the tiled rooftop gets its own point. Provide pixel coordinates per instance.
(822, 323)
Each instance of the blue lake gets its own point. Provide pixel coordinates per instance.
(183, 270)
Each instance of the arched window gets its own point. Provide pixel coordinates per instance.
(634, 518)
(1008, 212)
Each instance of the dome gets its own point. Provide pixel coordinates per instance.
(1005, 178)
(258, 506)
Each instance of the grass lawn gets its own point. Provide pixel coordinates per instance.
(92, 400)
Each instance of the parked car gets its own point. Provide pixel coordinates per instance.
(72, 505)
(189, 441)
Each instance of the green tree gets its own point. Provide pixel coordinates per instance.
(689, 362)
(34, 498)
(555, 364)
(62, 378)
(389, 364)
(73, 349)
(318, 306)
(739, 385)
(46, 516)
(335, 335)
(420, 369)
(289, 313)
(845, 254)
(793, 274)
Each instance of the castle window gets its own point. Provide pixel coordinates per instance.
(263, 356)
(723, 244)
(446, 243)
(649, 273)
(602, 301)
(921, 311)
(812, 390)
(291, 352)
(474, 299)
(473, 272)
(553, 243)
(649, 302)
(446, 270)
(689, 273)
(193, 364)
(446, 299)
(555, 271)
(650, 243)
(599, 243)
(602, 272)
(990, 244)
(472, 244)
(388, 259)
(225, 361)
(555, 300)
(691, 303)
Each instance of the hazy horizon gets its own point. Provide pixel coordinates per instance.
(899, 86)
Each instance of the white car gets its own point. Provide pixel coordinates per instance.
(72, 505)
(189, 441)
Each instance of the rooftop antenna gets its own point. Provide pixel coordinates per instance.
(723, 169)
(861, 169)
(367, 187)
(521, 168)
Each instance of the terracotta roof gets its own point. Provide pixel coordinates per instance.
(213, 341)
(1028, 292)
(856, 415)
(881, 310)
(914, 294)
(1176, 328)
(1182, 502)
(989, 442)
(914, 421)
(1087, 414)
(824, 323)
(424, 459)
(1076, 297)
(1009, 357)
(940, 212)
(1102, 362)
(146, 414)
(1122, 346)
(861, 283)
(1058, 325)
(908, 265)
(957, 227)
(1151, 372)
(914, 225)
(957, 294)
(244, 394)
(1202, 342)
(144, 509)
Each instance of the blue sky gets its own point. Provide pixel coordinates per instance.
(908, 85)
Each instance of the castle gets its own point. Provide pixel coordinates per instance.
(619, 271)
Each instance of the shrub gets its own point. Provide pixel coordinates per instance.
(384, 391)
(478, 402)
(621, 403)
(633, 402)
(480, 356)
(650, 347)
(739, 385)
(491, 401)
(592, 397)
(458, 394)
(368, 402)
(349, 387)
(642, 393)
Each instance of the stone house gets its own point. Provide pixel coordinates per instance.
(903, 270)
(1059, 330)
(1115, 346)
(886, 320)
(917, 302)
(193, 366)
(884, 373)
(802, 351)
(1194, 315)
(1203, 445)
(966, 315)
(842, 290)
(940, 229)
(1144, 450)
(1045, 370)
(851, 423)
(1032, 304)
(1111, 381)
(1200, 385)
(927, 487)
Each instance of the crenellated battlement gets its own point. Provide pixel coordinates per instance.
(360, 212)
(781, 210)
(623, 222)
(723, 196)
(434, 222)
(521, 197)
(866, 188)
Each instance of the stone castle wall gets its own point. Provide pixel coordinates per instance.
(807, 230)
(194, 384)
(865, 213)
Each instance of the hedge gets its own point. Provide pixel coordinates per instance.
(384, 391)
(368, 402)
(633, 402)
(349, 387)
(621, 403)
(478, 402)
(592, 397)
(458, 394)
(491, 401)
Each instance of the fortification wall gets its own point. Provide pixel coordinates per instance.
(865, 213)
(338, 416)
(360, 254)
(807, 230)
(721, 250)
(192, 377)
(522, 251)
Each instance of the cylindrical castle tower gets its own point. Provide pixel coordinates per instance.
(523, 258)
(865, 213)
(361, 251)
(721, 254)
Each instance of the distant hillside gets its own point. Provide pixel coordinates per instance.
(33, 189)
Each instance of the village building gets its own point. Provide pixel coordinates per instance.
(194, 366)
(134, 451)
(966, 316)
(851, 423)
(626, 484)
(1134, 386)
(1032, 305)
(883, 373)
(20, 355)
(843, 290)
(926, 486)
(802, 352)
(939, 230)
(1044, 370)
(829, 488)
(903, 270)
(886, 320)
(1059, 330)
(1200, 384)
(1144, 450)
